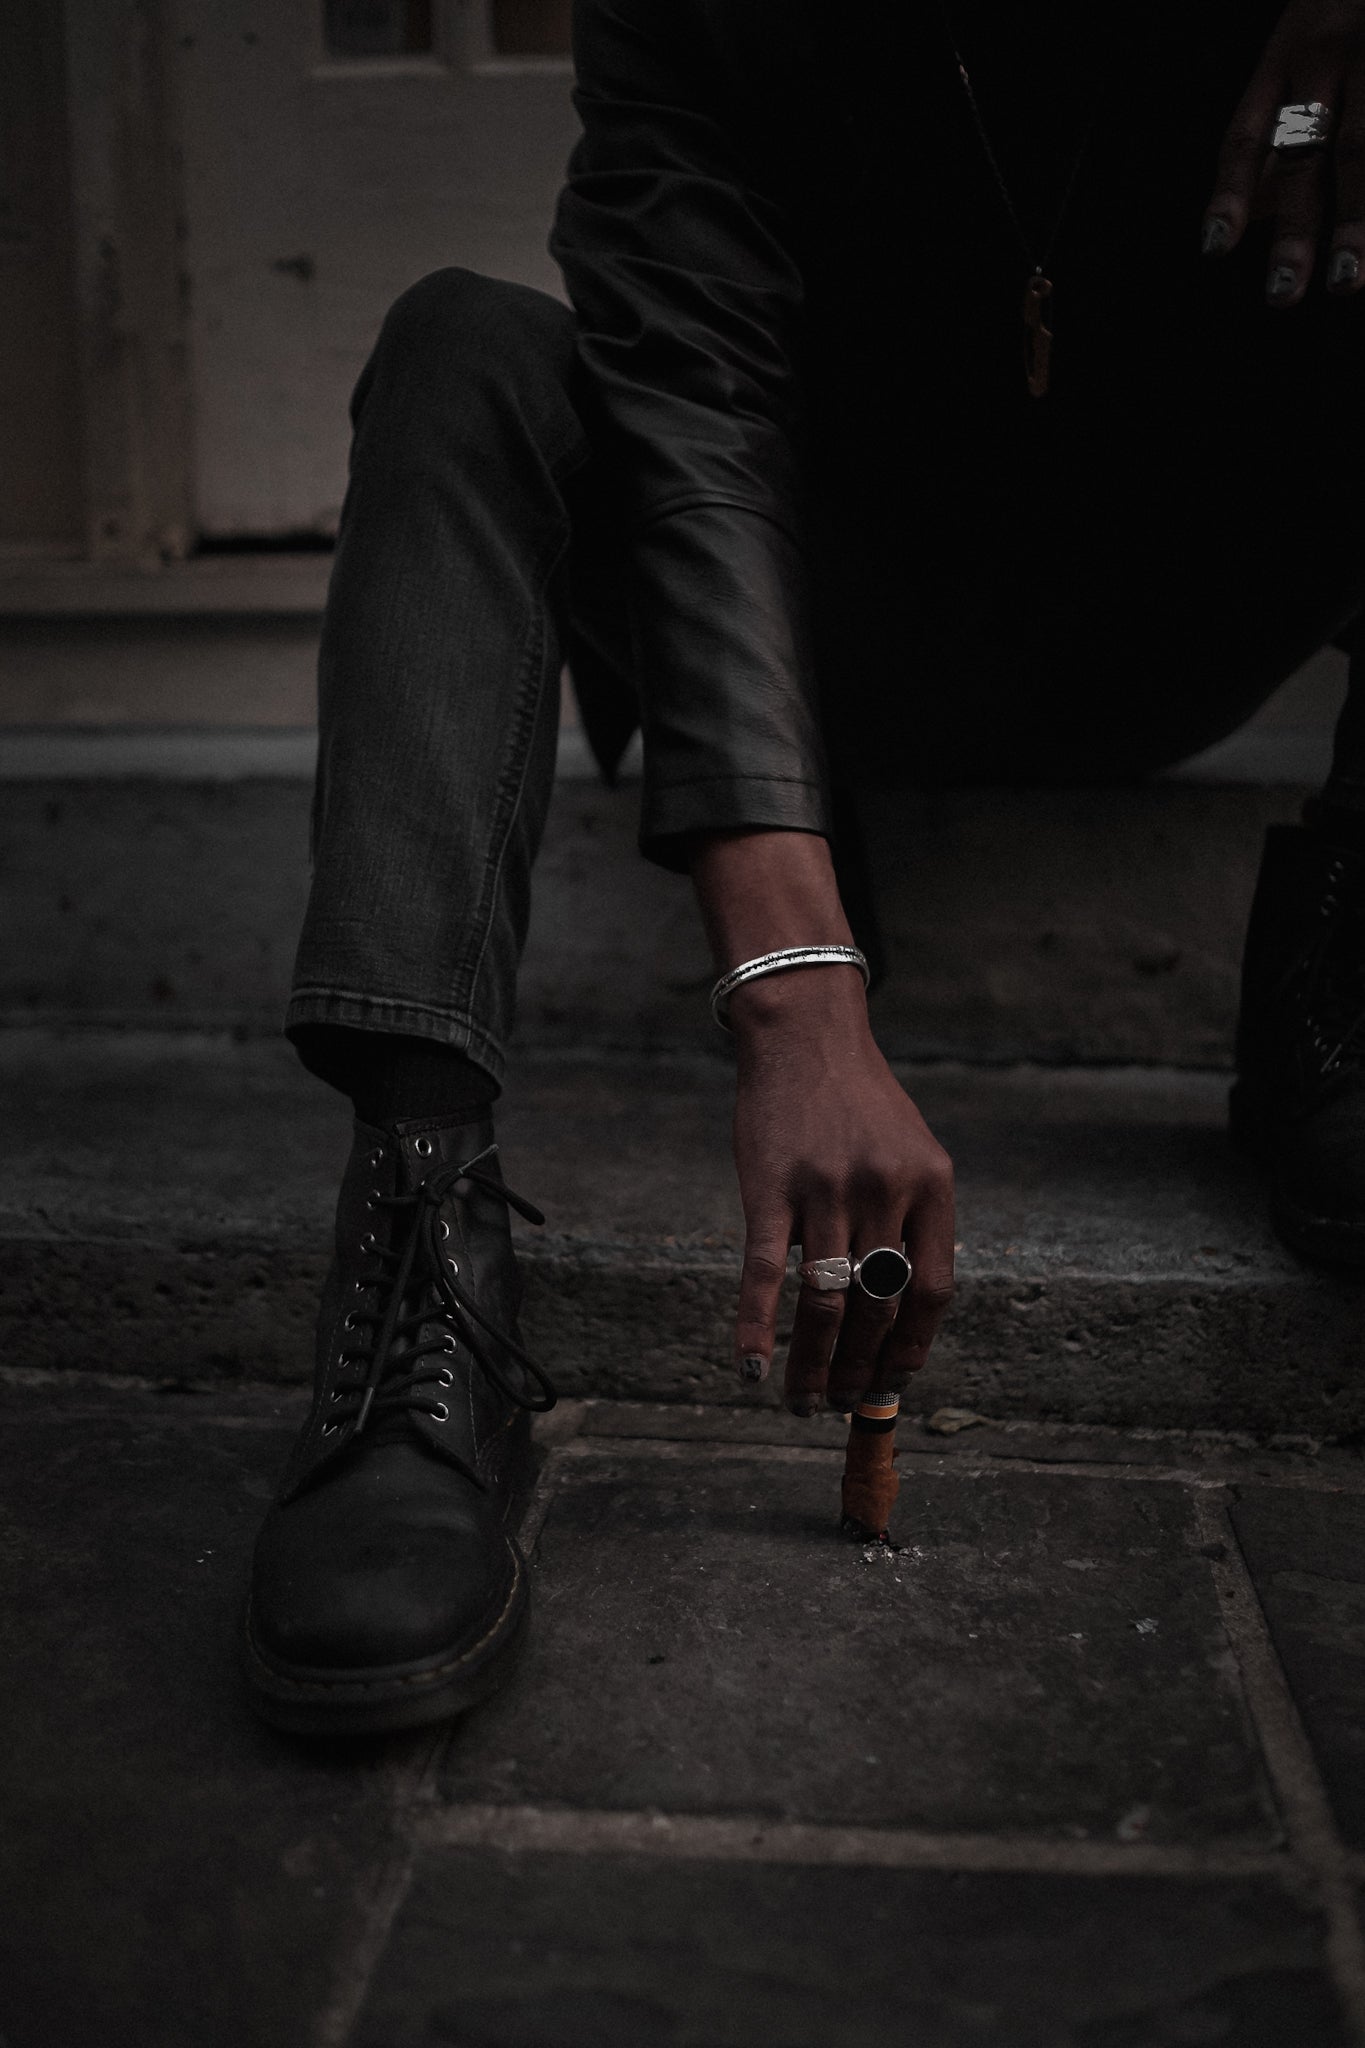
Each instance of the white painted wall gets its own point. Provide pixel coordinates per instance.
(314, 192)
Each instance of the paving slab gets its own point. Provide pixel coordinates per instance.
(1042, 1654)
(166, 1206)
(1306, 1556)
(172, 1872)
(527, 1951)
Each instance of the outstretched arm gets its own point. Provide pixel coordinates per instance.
(831, 1152)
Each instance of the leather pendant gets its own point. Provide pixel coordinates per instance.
(1037, 334)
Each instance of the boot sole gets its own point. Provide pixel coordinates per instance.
(302, 1700)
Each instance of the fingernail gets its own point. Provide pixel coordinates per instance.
(1216, 239)
(753, 1367)
(1345, 267)
(1282, 282)
(804, 1406)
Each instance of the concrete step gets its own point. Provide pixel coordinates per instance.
(1089, 925)
(154, 875)
(166, 1199)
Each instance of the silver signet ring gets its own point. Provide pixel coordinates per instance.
(827, 1276)
(1301, 124)
(883, 1274)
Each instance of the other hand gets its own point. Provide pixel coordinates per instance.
(1317, 52)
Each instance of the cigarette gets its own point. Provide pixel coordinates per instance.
(871, 1481)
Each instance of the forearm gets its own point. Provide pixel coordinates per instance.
(760, 890)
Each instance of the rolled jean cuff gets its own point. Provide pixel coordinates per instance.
(455, 1028)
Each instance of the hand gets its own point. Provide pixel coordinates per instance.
(1317, 52)
(833, 1156)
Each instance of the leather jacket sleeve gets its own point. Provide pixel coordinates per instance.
(689, 303)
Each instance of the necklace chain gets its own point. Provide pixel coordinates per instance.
(1038, 290)
(1038, 264)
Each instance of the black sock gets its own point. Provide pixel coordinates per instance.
(390, 1076)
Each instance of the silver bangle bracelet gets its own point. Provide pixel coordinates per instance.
(777, 963)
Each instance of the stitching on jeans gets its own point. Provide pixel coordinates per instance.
(523, 736)
(314, 994)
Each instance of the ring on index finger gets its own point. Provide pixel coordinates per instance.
(883, 1274)
(827, 1276)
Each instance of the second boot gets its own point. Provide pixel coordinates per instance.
(1299, 1098)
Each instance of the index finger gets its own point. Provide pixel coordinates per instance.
(760, 1286)
(1241, 158)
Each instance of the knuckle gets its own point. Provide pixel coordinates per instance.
(876, 1183)
(763, 1266)
(936, 1295)
(936, 1174)
(824, 1311)
(815, 1177)
(1242, 146)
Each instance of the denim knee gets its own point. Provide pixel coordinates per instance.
(455, 332)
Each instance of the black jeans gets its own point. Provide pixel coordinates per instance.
(1096, 619)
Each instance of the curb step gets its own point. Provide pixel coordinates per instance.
(166, 1203)
(1019, 925)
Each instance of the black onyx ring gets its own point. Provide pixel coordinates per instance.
(883, 1274)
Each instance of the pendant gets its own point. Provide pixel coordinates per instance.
(1037, 335)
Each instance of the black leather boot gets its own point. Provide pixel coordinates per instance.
(387, 1588)
(1299, 1099)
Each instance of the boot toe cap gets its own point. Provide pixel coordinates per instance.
(398, 1577)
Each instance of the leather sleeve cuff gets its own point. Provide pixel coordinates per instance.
(671, 817)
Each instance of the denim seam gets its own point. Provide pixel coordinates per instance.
(528, 704)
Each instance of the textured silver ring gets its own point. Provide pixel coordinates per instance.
(1301, 125)
(883, 1274)
(827, 1276)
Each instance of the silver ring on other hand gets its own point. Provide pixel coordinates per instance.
(1301, 125)
(883, 1274)
(827, 1276)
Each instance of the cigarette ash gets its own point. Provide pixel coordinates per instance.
(875, 1543)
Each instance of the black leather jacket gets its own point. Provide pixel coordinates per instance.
(760, 188)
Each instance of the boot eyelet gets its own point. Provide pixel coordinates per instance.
(337, 1393)
(440, 1413)
(374, 1198)
(422, 1147)
(330, 1428)
(454, 1265)
(360, 1286)
(376, 1160)
(445, 1378)
(368, 1241)
(348, 1320)
(445, 1228)
(448, 1343)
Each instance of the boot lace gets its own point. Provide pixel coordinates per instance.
(418, 1283)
